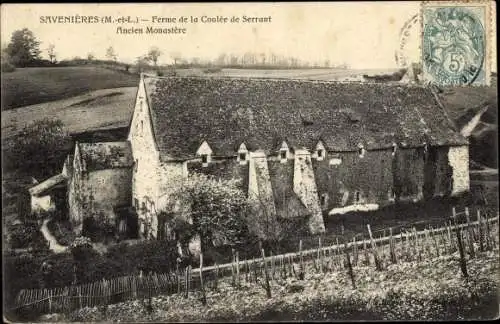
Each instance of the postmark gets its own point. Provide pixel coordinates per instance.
(454, 43)
(408, 52)
(409, 37)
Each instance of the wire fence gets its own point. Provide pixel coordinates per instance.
(408, 245)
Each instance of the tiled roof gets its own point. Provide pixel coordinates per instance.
(105, 155)
(45, 186)
(263, 112)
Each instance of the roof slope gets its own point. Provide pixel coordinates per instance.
(263, 112)
(105, 155)
(45, 186)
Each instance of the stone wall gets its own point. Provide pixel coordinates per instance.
(304, 185)
(346, 179)
(260, 193)
(97, 193)
(458, 157)
(408, 171)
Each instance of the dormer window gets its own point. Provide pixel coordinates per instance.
(242, 154)
(324, 200)
(320, 151)
(283, 152)
(204, 158)
(205, 152)
(361, 151)
(394, 149)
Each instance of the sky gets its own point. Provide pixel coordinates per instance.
(360, 34)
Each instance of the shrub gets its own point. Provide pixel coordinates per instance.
(62, 231)
(26, 235)
(7, 67)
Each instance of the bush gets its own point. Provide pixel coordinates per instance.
(62, 231)
(25, 235)
(41, 146)
(7, 67)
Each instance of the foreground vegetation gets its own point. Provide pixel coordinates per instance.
(429, 290)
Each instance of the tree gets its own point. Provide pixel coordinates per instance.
(142, 63)
(153, 54)
(40, 148)
(221, 59)
(90, 57)
(51, 53)
(176, 57)
(24, 48)
(110, 54)
(216, 209)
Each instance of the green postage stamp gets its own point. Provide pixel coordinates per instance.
(455, 43)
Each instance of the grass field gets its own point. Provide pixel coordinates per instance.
(28, 86)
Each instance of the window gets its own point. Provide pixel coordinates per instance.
(323, 200)
(283, 154)
(243, 156)
(357, 197)
(361, 152)
(142, 126)
(394, 149)
(320, 154)
(136, 203)
(204, 158)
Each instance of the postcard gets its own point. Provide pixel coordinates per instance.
(249, 162)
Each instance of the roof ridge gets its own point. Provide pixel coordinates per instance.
(285, 79)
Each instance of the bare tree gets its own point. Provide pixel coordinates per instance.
(142, 63)
(153, 54)
(176, 56)
(263, 58)
(110, 54)
(195, 61)
(221, 59)
(51, 53)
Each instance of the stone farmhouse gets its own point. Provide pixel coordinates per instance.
(300, 148)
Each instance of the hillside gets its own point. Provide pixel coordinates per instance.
(96, 110)
(29, 86)
(463, 104)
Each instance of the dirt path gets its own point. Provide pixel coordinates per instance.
(471, 125)
(53, 245)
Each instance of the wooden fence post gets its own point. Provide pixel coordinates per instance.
(178, 280)
(186, 282)
(301, 258)
(374, 249)
(216, 282)
(365, 252)
(202, 287)
(434, 240)
(233, 274)
(355, 251)
(481, 237)
(237, 269)
(463, 263)
(470, 234)
(267, 285)
(349, 266)
(391, 247)
(320, 259)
